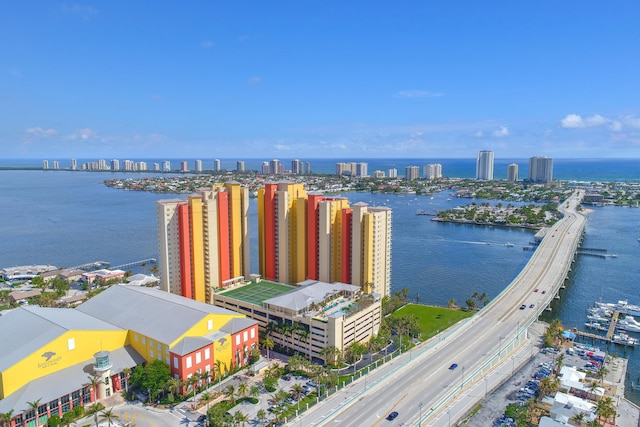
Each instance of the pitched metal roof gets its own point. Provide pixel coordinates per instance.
(29, 328)
(159, 315)
(189, 345)
(238, 324)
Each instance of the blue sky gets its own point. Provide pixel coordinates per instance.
(325, 79)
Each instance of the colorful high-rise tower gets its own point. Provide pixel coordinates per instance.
(308, 236)
(203, 242)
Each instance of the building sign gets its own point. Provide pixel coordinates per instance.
(49, 359)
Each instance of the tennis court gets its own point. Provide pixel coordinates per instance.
(256, 293)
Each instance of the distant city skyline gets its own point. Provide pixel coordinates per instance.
(349, 80)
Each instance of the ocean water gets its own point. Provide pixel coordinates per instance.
(71, 218)
(604, 170)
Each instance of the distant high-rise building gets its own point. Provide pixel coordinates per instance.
(484, 165)
(166, 166)
(203, 242)
(307, 168)
(432, 171)
(512, 172)
(362, 169)
(102, 165)
(393, 173)
(56, 165)
(129, 165)
(275, 167)
(378, 173)
(297, 167)
(115, 164)
(352, 169)
(74, 164)
(216, 165)
(156, 167)
(265, 168)
(411, 173)
(141, 166)
(198, 165)
(308, 236)
(184, 166)
(239, 166)
(45, 164)
(540, 169)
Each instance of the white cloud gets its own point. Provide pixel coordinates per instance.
(479, 134)
(616, 126)
(38, 132)
(207, 44)
(503, 131)
(84, 134)
(417, 94)
(254, 80)
(574, 121)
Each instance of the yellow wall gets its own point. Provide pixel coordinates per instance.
(367, 252)
(222, 352)
(35, 366)
(235, 225)
(197, 248)
(202, 327)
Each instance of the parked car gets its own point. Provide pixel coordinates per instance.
(392, 416)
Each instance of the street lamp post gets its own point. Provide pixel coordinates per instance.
(449, 414)
(420, 419)
(462, 384)
(513, 364)
(485, 387)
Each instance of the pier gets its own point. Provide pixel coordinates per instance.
(135, 263)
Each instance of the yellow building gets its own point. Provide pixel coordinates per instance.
(50, 355)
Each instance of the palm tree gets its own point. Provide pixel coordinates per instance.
(192, 383)
(578, 418)
(205, 398)
(239, 417)
(254, 391)
(220, 368)
(94, 409)
(559, 363)
(230, 392)
(243, 389)
(604, 407)
(173, 386)
(127, 374)
(5, 418)
(261, 415)
(94, 382)
(33, 407)
(108, 416)
(304, 335)
(297, 390)
(602, 373)
(268, 344)
(593, 387)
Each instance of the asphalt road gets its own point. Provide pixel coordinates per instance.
(421, 387)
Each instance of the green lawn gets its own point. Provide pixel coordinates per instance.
(256, 293)
(432, 319)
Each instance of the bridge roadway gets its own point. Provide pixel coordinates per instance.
(420, 386)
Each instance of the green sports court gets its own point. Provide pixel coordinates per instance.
(256, 293)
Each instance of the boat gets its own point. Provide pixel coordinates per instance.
(596, 325)
(624, 339)
(622, 306)
(629, 324)
(509, 244)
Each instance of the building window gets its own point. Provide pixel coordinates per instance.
(150, 343)
(135, 337)
(175, 362)
(198, 357)
(207, 354)
(253, 332)
(159, 356)
(245, 336)
(152, 354)
(71, 344)
(159, 347)
(189, 362)
(166, 360)
(209, 324)
(238, 339)
(106, 380)
(144, 340)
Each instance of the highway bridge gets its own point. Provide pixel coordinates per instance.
(420, 385)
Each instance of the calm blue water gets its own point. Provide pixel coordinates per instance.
(71, 218)
(605, 170)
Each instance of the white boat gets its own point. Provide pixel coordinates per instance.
(509, 244)
(596, 325)
(624, 339)
(629, 323)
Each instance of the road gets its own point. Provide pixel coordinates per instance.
(421, 387)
